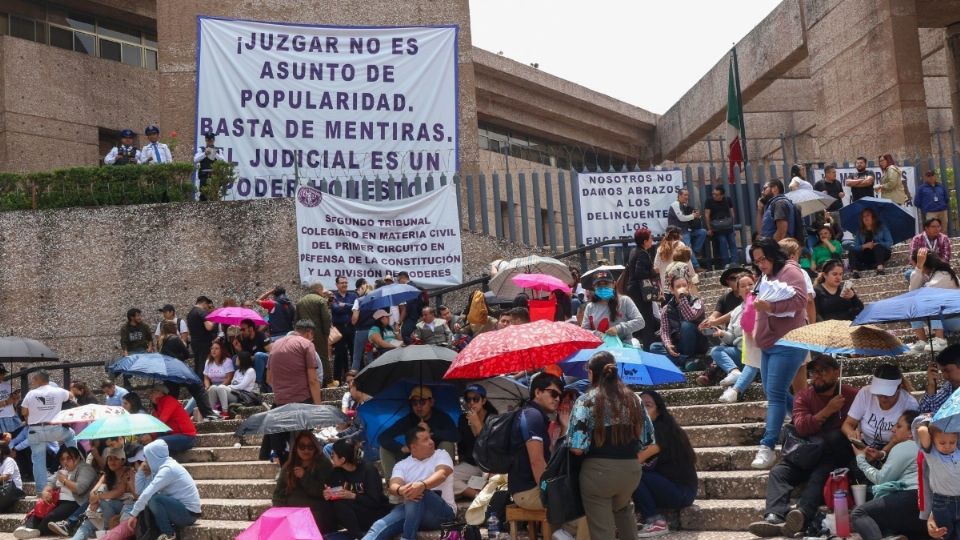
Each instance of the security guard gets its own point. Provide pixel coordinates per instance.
(124, 153)
(205, 158)
(155, 151)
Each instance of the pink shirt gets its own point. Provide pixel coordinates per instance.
(769, 329)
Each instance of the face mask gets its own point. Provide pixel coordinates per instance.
(604, 293)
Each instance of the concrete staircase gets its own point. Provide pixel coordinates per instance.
(236, 487)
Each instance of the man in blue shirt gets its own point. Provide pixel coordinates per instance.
(341, 311)
(931, 199)
(113, 394)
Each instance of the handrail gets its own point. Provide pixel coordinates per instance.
(64, 366)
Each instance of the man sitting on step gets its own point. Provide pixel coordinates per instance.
(167, 489)
(818, 413)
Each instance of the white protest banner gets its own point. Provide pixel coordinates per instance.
(288, 101)
(357, 239)
(613, 205)
(907, 173)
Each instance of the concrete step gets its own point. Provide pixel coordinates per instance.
(726, 458)
(215, 509)
(233, 470)
(719, 413)
(243, 488)
(220, 453)
(748, 484)
(204, 529)
(721, 515)
(744, 434)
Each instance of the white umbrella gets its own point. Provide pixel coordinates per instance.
(503, 286)
(810, 201)
(587, 278)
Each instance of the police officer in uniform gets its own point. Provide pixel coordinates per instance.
(205, 158)
(154, 151)
(124, 153)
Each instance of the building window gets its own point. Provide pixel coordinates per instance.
(131, 55)
(85, 43)
(61, 37)
(23, 28)
(150, 59)
(109, 50)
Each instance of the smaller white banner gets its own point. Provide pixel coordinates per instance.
(613, 205)
(908, 173)
(368, 239)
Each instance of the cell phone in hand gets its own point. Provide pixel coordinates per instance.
(847, 285)
(860, 445)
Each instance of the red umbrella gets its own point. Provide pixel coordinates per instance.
(520, 347)
(235, 315)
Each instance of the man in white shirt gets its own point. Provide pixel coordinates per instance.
(425, 482)
(169, 313)
(40, 406)
(154, 151)
(204, 159)
(124, 153)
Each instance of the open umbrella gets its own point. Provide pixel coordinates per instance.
(505, 393)
(635, 366)
(155, 366)
(947, 417)
(925, 304)
(291, 417)
(21, 349)
(587, 278)
(503, 286)
(839, 337)
(518, 348)
(389, 295)
(281, 523)
(898, 221)
(384, 409)
(422, 363)
(87, 413)
(540, 282)
(121, 426)
(234, 316)
(810, 201)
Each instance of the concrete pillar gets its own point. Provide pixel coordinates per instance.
(866, 68)
(952, 47)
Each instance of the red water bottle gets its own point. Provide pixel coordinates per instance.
(841, 514)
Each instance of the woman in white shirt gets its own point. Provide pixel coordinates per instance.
(9, 420)
(10, 472)
(243, 379)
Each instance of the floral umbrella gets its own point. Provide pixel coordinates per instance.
(87, 413)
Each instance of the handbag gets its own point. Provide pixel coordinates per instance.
(649, 290)
(9, 495)
(802, 452)
(560, 486)
(334, 336)
(722, 225)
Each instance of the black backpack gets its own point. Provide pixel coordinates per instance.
(495, 449)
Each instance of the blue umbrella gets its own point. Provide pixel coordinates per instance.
(636, 366)
(924, 304)
(898, 221)
(389, 295)
(392, 404)
(948, 416)
(155, 366)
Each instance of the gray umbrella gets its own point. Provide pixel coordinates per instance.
(21, 349)
(291, 418)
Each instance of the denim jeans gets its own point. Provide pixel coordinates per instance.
(38, 437)
(778, 366)
(895, 513)
(726, 357)
(359, 343)
(727, 243)
(260, 366)
(656, 492)
(178, 443)
(950, 325)
(946, 512)
(746, 378)
(695, 238)
(169, 514)
(687, 346)
(409, 517)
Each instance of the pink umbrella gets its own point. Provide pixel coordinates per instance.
(235, 315)
(540, 282)
(283, 524)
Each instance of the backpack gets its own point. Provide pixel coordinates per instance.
(281, 318)
(495, 449)
(795, 227)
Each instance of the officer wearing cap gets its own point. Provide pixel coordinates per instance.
(205, 158)
(154, 151)
(124, 153)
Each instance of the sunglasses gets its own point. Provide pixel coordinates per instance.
(475, 399)
(420, 402)
(306, 447)
(553, 393)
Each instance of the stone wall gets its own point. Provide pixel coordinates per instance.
(67, 277)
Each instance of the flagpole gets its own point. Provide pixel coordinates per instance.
(751, 192)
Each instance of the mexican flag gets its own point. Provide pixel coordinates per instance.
(735, 152)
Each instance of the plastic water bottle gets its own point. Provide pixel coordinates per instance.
(493, 526)
(840, 510)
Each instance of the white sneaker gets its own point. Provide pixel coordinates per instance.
(938, 344)
(918, 347)
(730, 395)
(24, 532)
(561, 534)
(730, 379)
(765, 458)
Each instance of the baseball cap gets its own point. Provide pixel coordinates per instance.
(421, 392)
(380, 313)
(476, 389)
(388, 277)
(137, 456)
(114, 452)
(167, 307)
(824, 360)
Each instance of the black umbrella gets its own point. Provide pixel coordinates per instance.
(292, 417)
(20, 349)
(418, 363)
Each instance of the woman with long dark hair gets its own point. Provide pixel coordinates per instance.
(669, 478)
(872, 244)
(932, 271)
(355, 490)
(611, 313)
(82, 394)
(132, 403)
(564, 310)
(244, 379)
(834, 301)
(643, 284)
(778, 363)
(476, 411)
(609, 427)
(302, 480)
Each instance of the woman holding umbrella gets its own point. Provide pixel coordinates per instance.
(933, 272)
(778, 363)
(303, 478)
(872, 244)
(610, 313)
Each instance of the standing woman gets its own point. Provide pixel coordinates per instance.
(610, 313)
(644, 278)
(609, 427)
(778, 363)
(891, 184)
(872, 244)
(355, 490)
